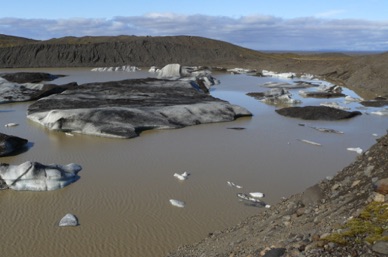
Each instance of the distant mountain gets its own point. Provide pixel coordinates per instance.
(122, 50)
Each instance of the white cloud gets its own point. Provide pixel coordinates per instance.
(256, 31)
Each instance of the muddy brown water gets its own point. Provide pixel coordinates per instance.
(122, 196)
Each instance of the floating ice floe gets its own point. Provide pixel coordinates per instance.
(11, 125)
(153, 69)
(355, 149)
(335, 105)
(233, 184)
(309, 142)
(240, 71)
(69, 220)
(257, 194)
(252, 200)
(353, 99)
(328, 130)
(381, 113)
(177, 203)
(182, 176)
(126, 68)
(267, 73)
(69, 134)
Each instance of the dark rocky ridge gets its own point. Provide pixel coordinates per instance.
(125, 50)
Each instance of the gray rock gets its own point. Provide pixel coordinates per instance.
(34, 176)
(125, 108)
(11, 144)
(380, 247)
(275, 252)
(312, 195)
(69, 220)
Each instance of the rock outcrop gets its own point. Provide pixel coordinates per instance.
(125, 108)
(11, 144)
(34, 176)
(317, 113)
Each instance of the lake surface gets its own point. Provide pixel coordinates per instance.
(122, 197)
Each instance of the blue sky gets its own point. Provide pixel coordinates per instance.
(354, 25)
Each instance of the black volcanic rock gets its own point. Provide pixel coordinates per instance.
(11, 144)
(317, 113)
(125, 108)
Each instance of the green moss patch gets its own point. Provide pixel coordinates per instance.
(367, 227)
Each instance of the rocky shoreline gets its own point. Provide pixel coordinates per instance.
(304, 224)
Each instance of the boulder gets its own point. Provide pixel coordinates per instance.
(34, 176)
(15, 92)
(11, 144)
(381, 186)
(317, 113)
(125, 108)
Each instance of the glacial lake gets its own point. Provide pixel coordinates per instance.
(122, 196)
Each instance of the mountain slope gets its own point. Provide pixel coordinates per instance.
(124, 50)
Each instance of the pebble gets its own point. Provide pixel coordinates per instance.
(355, 183)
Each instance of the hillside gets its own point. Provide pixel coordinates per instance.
(124, 50)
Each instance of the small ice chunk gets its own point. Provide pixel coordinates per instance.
(256, 194)
(309, 142)
(182, 176)
(233, 184)
(177, 203)
(355, 149)
(69, 220)
(11, 125)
